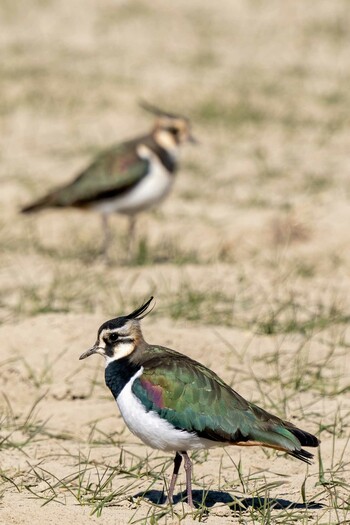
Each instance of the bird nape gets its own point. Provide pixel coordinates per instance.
(175, 404)
(126, 178)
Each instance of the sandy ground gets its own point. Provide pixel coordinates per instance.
(248, 258)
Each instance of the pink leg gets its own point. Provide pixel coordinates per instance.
(131, 235)
(188, 470)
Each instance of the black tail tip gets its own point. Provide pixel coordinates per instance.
(305, 438)
(303, 455)
(30, 208)
(154, 110)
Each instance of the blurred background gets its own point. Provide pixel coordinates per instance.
(250, 252)
(267, 91)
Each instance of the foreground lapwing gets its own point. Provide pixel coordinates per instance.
(126, 178)
(174, 403)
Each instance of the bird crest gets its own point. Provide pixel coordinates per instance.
(154, 110)
(137, 314)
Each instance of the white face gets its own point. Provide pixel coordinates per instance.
(119, 337)
(167, 141)
(172, 132)
(116, 343)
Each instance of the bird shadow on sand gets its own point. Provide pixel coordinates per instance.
(211, 497)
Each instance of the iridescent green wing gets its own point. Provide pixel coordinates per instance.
(113, 172)
(193, 398)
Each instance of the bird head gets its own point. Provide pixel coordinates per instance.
(119, 337)
(170, 129)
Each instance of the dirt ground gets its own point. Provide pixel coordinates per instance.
(248, 258)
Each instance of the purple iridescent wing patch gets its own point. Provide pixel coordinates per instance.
(154, 392)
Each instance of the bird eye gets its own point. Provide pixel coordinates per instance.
(173, 130)
(113, 337)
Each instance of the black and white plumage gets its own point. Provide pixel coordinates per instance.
(127, 178)
(174, 403)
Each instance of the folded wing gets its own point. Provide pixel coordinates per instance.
(113, 172)
(195, 399)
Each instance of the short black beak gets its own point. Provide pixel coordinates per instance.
(89, 352)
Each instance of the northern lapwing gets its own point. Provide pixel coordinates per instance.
(173, 403)
(126, 178)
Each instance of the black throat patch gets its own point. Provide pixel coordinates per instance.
(165, 158)
(118, 374)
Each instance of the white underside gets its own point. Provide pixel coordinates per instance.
(148, 192)
(153, 430)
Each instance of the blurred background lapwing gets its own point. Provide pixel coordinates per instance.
(174, 403)
(126, 178)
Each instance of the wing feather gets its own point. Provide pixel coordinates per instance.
(195, 399)
(112, 173)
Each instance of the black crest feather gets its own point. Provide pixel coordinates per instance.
(157, 111)
(118, 322)
(137, 314)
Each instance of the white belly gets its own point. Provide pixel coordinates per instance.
(148, 192)
(153, 430)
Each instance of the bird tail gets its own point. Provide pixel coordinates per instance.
(276, 433)
(292, 439)
(270, 431)
(303, 455)
(306, 440)
(44, 202)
